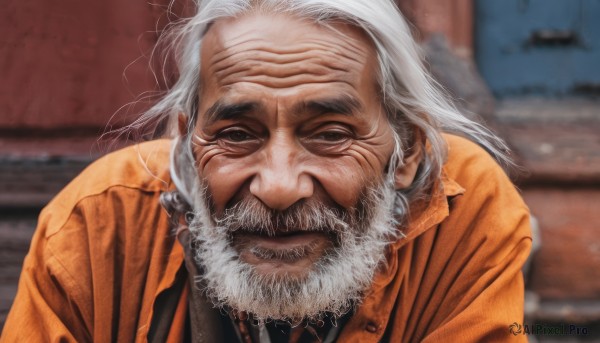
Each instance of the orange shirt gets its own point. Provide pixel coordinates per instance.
(103, 252)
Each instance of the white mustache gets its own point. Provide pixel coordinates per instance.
(251, 216)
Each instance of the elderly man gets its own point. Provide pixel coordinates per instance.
(308, 195)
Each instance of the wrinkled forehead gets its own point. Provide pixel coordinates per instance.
(281, 28)
(282, 39)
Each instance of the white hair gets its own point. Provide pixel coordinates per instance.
(413, 100)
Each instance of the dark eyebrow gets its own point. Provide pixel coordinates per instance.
(221, 110)
(346, 105)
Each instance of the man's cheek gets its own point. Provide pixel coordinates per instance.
(204, 154)
(341, 180)
(225, 177)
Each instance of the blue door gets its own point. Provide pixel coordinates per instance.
(538, 47)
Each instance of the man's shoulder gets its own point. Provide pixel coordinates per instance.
(105, 240)
(143, 165)
(488, 191)
(138, 169)
(469, 164)
(489, 197)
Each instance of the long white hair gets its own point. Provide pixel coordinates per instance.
(412, 98)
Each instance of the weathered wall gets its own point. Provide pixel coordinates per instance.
(452, 18)
(74, 64)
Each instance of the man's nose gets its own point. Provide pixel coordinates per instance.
(281, 180)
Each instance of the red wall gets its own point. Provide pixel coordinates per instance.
(73, 64)
(453, 18)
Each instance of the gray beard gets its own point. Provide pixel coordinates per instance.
(335, 283)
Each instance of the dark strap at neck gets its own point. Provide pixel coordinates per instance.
(164, 307)
(205, 321)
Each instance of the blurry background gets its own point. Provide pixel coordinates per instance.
(527, 68)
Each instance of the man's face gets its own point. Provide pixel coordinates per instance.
(292, 144)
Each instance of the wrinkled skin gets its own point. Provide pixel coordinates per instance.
(289, 110)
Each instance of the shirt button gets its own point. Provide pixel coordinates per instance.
(371, 327)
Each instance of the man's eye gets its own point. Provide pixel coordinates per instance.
(235, 136)
(331, 136)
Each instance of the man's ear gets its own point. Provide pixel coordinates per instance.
(405, 175)
(182, 124)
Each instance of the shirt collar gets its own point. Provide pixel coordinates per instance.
(425, 215)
